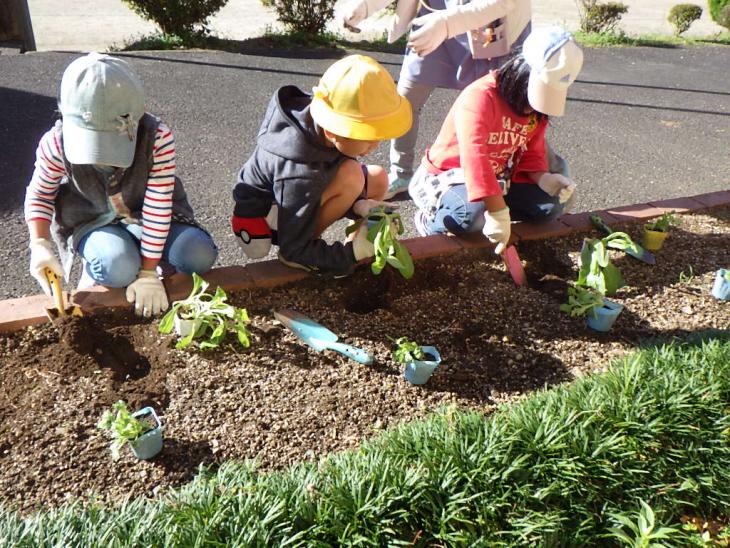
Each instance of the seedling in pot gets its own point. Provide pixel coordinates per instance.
(384, 225)
(420, 361)
(656, 231)
(407, 351)
(125, 428)
(581, 301)
(211, 317)
(596, 269)
(664, 223)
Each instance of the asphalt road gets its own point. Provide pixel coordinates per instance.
(641, 124)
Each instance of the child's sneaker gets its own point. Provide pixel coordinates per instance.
(396, 185)
(420, 220)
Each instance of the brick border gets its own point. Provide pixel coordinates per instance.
(25, 311)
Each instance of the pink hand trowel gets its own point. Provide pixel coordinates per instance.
(514, 265)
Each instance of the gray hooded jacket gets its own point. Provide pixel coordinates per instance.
(291, 166)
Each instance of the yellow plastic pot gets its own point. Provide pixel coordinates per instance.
(653, 240)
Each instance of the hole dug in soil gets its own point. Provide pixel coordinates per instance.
(282, 402)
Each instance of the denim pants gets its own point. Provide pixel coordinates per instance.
(454, 212)
(112, 254)
(457, 215)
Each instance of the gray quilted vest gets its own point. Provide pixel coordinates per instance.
(83, 199)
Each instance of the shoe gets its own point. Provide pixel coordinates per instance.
(420, 220)
(396, 186)
(311, 269)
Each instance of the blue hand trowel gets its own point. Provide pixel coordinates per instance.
(319, 337)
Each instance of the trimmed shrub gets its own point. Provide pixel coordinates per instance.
(682, 16)
(303, 16)
(600, 17)
(177, 17)
(717, 7)
(724, 17)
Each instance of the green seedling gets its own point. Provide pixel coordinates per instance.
(123, 427)
(686, 278)
(581, 301)
(596, 269)
(215, 315)
(407, 351)
(385, 226)
(663, 223)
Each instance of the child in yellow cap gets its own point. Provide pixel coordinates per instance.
(304, 174)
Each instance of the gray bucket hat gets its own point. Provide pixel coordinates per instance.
(101, 101)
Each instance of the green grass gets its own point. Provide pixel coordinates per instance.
(607, 39)
(574, 466)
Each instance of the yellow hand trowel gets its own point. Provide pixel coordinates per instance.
(60, 309)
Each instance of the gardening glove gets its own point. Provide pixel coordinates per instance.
(558, 185)
(353, 14)
(432, 32)
(497, 228)
(148, 294)
(361, 246)
(42, 256)
(253, 234)
(362, 207)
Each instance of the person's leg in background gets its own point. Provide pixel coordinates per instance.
(189, 249)
(402, 149)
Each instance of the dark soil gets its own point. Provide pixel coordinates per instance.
(282, 402)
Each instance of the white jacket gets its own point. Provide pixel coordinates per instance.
(460, 19)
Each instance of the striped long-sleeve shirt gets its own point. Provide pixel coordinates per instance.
(156, 208)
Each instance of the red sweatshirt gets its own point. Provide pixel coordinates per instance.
(481, 134)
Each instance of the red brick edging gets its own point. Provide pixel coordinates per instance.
(18, 313)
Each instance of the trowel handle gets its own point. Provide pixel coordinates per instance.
(358, 354)
(55, 283)
(600, 224)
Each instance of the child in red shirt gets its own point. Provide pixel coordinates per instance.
(489, 164)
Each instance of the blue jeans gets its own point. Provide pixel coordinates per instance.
(526, 202)
(112, 257)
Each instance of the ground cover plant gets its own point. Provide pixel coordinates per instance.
(635, 453)
(284, 403)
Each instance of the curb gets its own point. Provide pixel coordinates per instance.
(25, 311)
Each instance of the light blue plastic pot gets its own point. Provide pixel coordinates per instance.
(148, 444)
(418, 372)
(721, 289)
(601, 319)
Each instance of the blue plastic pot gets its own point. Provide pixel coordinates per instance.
(417, 371)
(602, 318)
(150, 443)
(721, 289)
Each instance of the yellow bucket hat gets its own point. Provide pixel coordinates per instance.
(356, 98)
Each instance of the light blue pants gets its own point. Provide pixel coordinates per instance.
(112, 258)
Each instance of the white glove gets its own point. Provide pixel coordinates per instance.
(558, 185)
(497, 227)
(147, 293)
(361, 246)
(432, 32)
(353, 14)
(362, 207)
(42, 256)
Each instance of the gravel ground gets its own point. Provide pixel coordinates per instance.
(282, 402)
